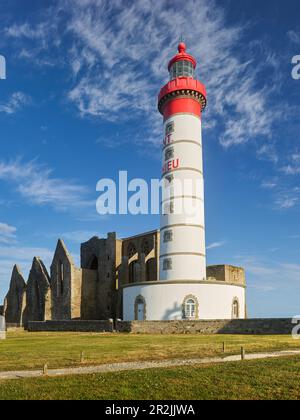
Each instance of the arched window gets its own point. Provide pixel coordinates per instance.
(140, 309)
(190, 308)
(236, 309)
(146, 249)
(94, 263)
(132, 271)
(60, 278)
(131, 251)
(151, 270)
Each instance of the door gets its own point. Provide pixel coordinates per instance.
(141, 312)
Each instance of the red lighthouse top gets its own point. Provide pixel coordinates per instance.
(182, 56)
(183, 93)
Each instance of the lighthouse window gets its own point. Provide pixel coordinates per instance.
(169, 153)
(170, 128)
(182, 68)
(167, 264)
(168, 209)
(168, 236)
(169, 178)
(190, 309)
(235, 309)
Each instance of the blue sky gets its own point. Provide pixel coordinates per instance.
(79, 104)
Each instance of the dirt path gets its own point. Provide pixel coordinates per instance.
(121, 367)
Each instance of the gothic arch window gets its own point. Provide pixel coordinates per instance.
(131, 250)
(132, 271)
(94, 264)
(60, 278)
(235, 309)
(140, 309)
(146, 249)
(151, 268)
(190, 308)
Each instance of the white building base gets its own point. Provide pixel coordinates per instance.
(166, 301)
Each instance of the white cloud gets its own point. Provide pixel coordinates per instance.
(17, 101)
(7, 233)
(22, 254)
(294, 37)
(291, 169)
(37, 185)
(287, 202)
(79, 236)
(269, 275)
(215, 245)
(269, 185)
(25, 31)
(118, 56)
(268, 152)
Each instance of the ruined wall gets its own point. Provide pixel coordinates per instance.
(15, 301)
(141, 257)
(227, 273)
(89, 294)
(38, 293)
(101, 256)
(76, 292)
(64, 278)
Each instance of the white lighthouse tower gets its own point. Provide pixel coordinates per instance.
(181, 102)
(183, 290)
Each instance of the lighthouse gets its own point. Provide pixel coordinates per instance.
(182, 241)
(185, 289)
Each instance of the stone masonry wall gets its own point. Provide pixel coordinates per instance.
(245, 327)
(71, 326)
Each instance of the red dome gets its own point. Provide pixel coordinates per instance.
(181, 48)
(182, 56)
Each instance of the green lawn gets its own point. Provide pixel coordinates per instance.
(268, 379)
(23, 350)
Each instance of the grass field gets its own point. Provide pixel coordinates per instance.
(23, 350)
(268, 379)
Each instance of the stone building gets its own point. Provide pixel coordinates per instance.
(15, 300)
(94, 290)
(38, 293)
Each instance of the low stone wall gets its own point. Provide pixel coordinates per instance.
(71, 326)
(10, 326)
(246, 327)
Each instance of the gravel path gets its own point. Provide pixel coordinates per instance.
(121, 367)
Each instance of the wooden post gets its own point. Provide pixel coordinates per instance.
(82, 357)
(243, 353)
(224, 347)
(45, 370)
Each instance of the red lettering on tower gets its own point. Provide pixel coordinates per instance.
(171, 165)
(168, 139)
(175, 164)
